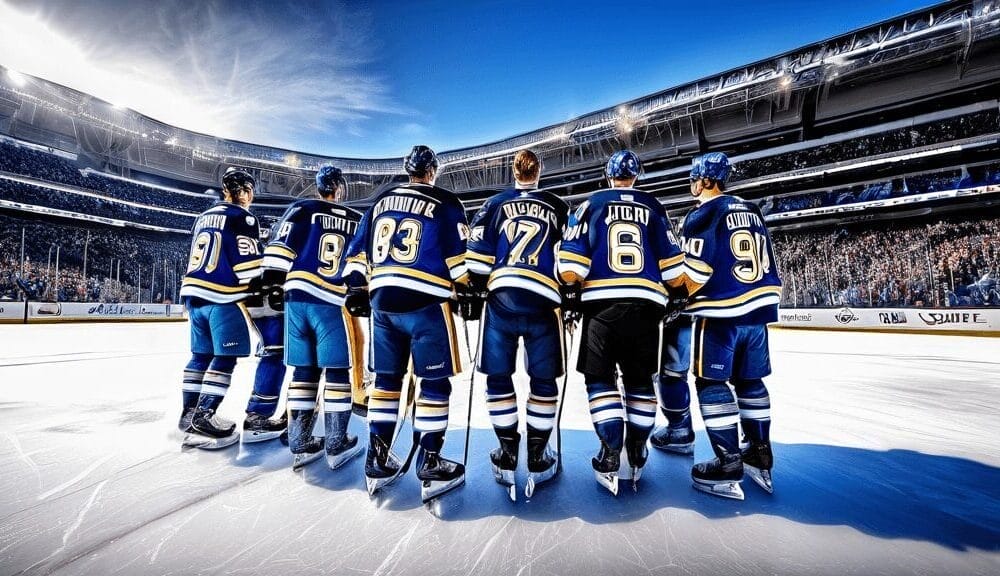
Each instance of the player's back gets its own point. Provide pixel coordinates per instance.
(225, 254)
(619, 241)
(728, 249)
(309, 245)
(514, 241)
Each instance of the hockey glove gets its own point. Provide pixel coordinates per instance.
(255, 293)
(357, 303)
(571, 302)
(275, 296)
(677, 301)
(470, 302)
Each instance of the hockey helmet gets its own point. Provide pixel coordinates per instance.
(623, 165)
(328, 179)
(236, 178)
(714, 166)
(420, 160)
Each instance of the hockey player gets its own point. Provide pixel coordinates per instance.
(619, 247)
(308, 250)
(733, 276)
(266, 310)
(411, 245)
(512, 252)
(225, 257)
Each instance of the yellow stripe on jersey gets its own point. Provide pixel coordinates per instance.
(574, 257)
(541, 278)
(455, 260)
(248, 265)
(429, 278)
(213, 286)
(316, 280)
(625, 282)
(484, 258)
(698, 265)
(736, 300)
(284, 252)
(456, 360)
(673, 261)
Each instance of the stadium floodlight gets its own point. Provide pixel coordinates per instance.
(786, 82)
(16, 77)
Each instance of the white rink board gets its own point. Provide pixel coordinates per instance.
(11, 312)
(902, 319)
(97, 312)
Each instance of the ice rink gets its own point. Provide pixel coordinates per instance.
(887, 462)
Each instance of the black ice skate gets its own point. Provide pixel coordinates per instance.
(720, 477)
(305, 447)
(606, 466)
(340, 446)
(210, 432)
(382, 467)
(676, 440)
(543, 463)
(438, 475)
(636, 455)
(504, 462)
(260, 428)
(758, 461)
(184, 423)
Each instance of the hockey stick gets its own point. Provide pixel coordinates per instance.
(567, 349)
(472, 381)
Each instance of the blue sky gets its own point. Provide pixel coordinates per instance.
(370, 79)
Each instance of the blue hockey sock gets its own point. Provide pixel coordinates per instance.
(501, 401)
(432, 412)
(755, 409)
(721, 415)
(606, 412)
(337, 392)
(383, 406)
(194, 373)
(675, 399)
(216, 382)
(268, 378)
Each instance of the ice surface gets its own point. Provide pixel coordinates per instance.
(886, 463)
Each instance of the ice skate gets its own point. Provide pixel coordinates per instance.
(720, 477)
(606, 466)
(757, 462)
(382, 467)
(184, 423)
(438, 475)
(260, 428)
(340, 446)
(305, 447)
(543, 464)
(676, 440)
(636, 455)
(504, 462)
(311, 452)
(210, 432)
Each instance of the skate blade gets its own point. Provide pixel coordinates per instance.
(208, 443)
(609, 480)
(636, 474)
(335, 461)
(430, 490)
(506, 478)
(761, 477)
(536, 478)
(731, 490)
(249, 437)
(300, 461)
(682, 449)
(376, 484)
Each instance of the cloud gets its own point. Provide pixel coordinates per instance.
(268, 73)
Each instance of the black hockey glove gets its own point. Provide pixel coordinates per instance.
(677, 301)
(357, 303)
(255, 293)
(275, 296)
(571, 307)
(470, 302)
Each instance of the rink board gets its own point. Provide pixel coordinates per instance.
(958, 321)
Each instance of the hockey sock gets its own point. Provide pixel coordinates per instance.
(194, 373)
(675, 399)
(267, 383)
(755, 409)
(302, 399)
(606, 412)
(337, 392)
(640, 408)
(543, 403)
(432, 412)
(216, 382)
(719, 410)
(501, 401)
(383, 406)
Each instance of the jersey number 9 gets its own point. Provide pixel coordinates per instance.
(750, 251)
(205, 252)
(331, 246)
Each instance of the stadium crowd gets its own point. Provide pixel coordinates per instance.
(946, 263)
(978, 123)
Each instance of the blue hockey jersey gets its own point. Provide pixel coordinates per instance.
(309, 245)
(729, 260)
(513, 241)
(620, 245)
(413, 237)
(225, 255)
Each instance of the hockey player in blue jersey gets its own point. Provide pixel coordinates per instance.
(512, 253)
(225, 257)
(308, 251)
(619, 247)
(410, 250)
(733, 279)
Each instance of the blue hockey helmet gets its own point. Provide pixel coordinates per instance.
(236, 178)
(328, 179)
(623, 165)
(420, 160)
(714, 166)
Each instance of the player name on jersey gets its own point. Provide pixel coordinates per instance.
(401, 203)
(209, 221)
(627, 213)
(738, 220)
(531, 208)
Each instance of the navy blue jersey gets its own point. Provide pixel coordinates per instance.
(225, 255)
(514, 239)
(620, 245)
(309, 245)
(412, 237)
(730, 260)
